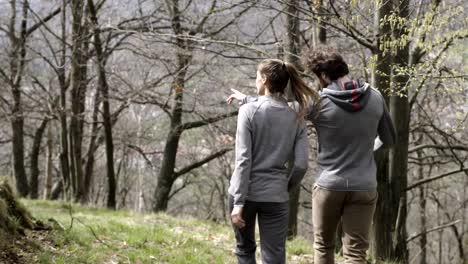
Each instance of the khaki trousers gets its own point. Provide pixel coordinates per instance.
(355, 209)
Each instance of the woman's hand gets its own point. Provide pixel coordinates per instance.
(236, 217)
(236, 96)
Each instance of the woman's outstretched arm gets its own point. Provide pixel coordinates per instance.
(240, 97)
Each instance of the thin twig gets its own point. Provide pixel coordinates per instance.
(432, 230)
(70, 212)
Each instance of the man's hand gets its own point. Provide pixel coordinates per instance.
(235, 96)
(236, 217)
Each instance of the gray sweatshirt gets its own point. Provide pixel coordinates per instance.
(351, 116)
(269, 135)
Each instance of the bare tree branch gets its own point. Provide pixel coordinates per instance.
(206, 121)
(423, 181)
(201, 162)
(441, 147)
(432, 230)
(142, 153)
(42, 21)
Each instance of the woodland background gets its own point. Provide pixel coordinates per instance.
(120, 104)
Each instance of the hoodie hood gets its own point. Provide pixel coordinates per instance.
(351, 96)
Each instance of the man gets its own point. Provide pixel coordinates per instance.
(352, 114)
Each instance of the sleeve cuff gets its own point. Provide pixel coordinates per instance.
(244, 100)
(377, 143)
(239, 205)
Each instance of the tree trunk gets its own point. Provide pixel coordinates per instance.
(17, 124)
(57, 191)
(382, 235)
(166, 174)
(422, 209)
(398, 161)
(89, 167)
(322, 31)
(291, 55)
(106, 115)
(78, 96)
(293, 212)
(17, 62)
(35, 151)
(184, 54)
(64, 153)
(49, 165)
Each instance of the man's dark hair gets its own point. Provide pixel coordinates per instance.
(326, 60)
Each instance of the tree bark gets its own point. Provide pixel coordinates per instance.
(49, 165)
(64, 143)
(422, 210)
(291, 53)
(382, 235)
(106, 115)
(57, 191)
(17, 62)
(90, 159)
(399, 111)
(78, 96)
(322, 31)
(17, 125)
(166, 174)
(35, 151)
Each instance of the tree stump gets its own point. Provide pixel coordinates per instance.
(14, 218)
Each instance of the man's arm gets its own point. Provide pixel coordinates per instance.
(301, 156)
(241, 176)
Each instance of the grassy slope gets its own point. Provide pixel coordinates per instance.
(127, 237)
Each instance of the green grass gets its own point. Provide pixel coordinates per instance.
(103, 236)
(127, 237)
(299, 246)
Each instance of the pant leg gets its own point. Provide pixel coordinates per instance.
(327, 208)
(273, 226)
(245, 237)
(357, 219)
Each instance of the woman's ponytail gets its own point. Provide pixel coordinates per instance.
(301, 91)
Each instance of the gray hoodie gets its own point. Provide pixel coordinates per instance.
(351, 116)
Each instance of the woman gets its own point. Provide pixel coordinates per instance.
(350, 117)
(269, 133)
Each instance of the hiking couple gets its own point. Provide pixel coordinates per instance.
(349, 116)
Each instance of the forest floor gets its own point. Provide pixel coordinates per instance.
(90, 235)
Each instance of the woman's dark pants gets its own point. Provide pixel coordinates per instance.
(273, 227)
